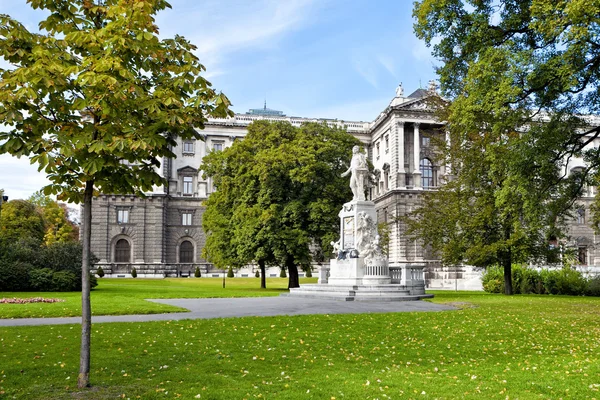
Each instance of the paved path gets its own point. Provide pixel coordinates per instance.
(246, 307)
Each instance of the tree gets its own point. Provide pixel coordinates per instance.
(96, 99)
(279, 192)
(519, 75)
(21, 220)
(56, 222)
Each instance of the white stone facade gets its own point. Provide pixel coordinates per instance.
(163, 233)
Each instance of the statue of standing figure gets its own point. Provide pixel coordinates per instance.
(359, 170)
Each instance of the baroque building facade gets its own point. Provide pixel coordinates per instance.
(161, 234)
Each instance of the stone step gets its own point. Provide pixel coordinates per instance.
(385, 292)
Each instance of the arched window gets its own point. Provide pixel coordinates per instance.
(426, 169)
(186, 252)
(122, 251)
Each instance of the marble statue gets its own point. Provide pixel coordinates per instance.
(359, 170)
(400, 90)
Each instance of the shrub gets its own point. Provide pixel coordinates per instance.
(257, 274)
(134, 273)
(526, 280)
(309, 272)
(571, 282)
(14, 276)
(100, 272)
(41, 279)
(282, 274)
(593, 287)
(64, 281)
(197, 273)
(493, 280)
(230, 273)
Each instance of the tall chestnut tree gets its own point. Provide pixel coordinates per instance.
(96, 98)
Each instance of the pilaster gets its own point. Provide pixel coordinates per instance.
(416, 157)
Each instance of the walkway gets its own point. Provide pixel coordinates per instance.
(246, 307)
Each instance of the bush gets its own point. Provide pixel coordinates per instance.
(64, 281)
(571, 282)
(230, 273)
(197, 273)
(41, 279)
(14, 276)
(493, 280)
(100, 272)
(593, 287)
(526, 280)
(257, 274)
(309, 272)
(133, 273)
(282, 274)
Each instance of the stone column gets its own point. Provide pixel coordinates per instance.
(400, 180)
(416, 157)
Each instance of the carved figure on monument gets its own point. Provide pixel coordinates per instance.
(338, 251)
(365, 231)
(359, 170)
(373, 253)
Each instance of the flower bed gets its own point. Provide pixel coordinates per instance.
(14, 300)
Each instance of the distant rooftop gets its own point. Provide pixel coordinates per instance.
(265, 111)
(418, 94)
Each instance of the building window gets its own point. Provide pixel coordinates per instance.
(122, 251)
(188, 147)
(186, 218)
(426, 173)
(582, 255)
(581, 216)
(186, 252)
(387, 143)
(425, 141)
(217, 146)
(188, 185)
(122, 216)
(377, 147)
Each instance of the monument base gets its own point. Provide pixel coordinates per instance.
(378, 293)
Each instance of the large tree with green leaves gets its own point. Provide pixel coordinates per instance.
(96, 98)
(520, 75)
(279, 192)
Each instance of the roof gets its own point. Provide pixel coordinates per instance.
(419, 94)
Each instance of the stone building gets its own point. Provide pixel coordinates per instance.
(162, 233)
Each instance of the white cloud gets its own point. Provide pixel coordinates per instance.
(19, 178)
(246, 25)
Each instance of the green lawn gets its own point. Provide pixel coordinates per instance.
(127, 296)
(526, 347)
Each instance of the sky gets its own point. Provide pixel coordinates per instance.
(308, 58)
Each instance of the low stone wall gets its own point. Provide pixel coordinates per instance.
(439, 277)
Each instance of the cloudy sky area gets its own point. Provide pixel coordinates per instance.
(308, 58)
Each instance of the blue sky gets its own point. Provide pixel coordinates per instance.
(309, 58)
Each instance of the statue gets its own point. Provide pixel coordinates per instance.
(359, 170)
(366, 230)
(400, 90)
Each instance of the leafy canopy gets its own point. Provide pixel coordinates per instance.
(520, 75)
(98, 96)
(278, 194)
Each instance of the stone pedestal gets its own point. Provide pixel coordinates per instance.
(361, 272)
(348, 221)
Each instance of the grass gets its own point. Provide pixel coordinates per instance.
(127, 296)
(526, 347)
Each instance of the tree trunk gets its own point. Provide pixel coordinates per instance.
(263, 271)
(83, 380)
(293, 281)
(507, 264)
